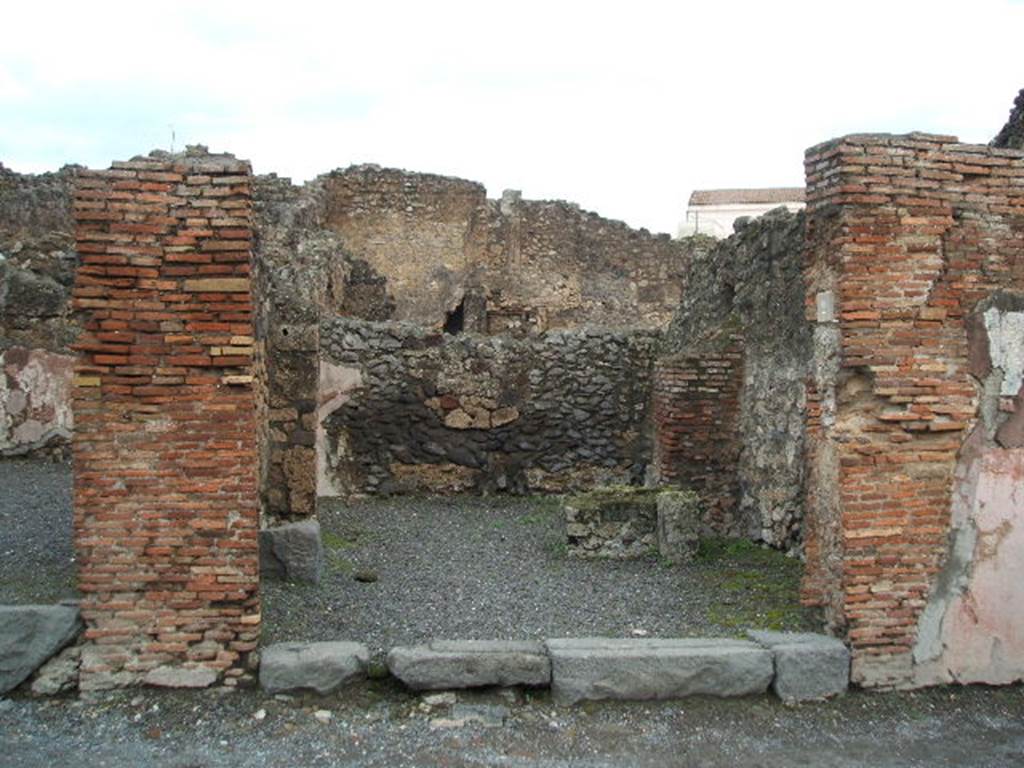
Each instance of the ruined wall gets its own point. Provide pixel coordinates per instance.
(519, 266)
(165, 492)
(37, 268)
(697, 441)
(730, 392)
(1012, 134)
(915, 273)
(408, 409)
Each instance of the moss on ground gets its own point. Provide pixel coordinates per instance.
(758, 588)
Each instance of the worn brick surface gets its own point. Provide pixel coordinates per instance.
(696, 420)
(906, 234)
(166, 513)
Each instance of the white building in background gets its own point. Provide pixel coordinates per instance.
(713, 211)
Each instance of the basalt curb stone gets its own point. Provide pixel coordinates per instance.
(442, 665)
(293, 552)
(808, 667)
(638, 669)
(31, 634)
(321, 667)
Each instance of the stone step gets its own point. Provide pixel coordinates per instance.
(651, 668)
(320, 667)
(442, 665)
(808, 667)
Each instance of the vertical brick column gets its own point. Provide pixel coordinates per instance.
(165, 457)
(909, 238)
(696, 422)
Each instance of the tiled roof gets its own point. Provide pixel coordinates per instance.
(734, 196)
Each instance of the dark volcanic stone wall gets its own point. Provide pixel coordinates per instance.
(1012, 134)
(37, 260)
(426, 411)
(748, 290)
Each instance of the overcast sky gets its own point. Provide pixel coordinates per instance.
(623, 107)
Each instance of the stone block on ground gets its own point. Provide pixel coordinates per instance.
(808, 667)
(678, 525)
(442, 665)
(320, 667)
(612, 522)
(30, 635)
(652, 668)
(293, 552)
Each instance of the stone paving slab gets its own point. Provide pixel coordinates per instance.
(320, 667)
(808, 667)
(442, 665)
(637, 669)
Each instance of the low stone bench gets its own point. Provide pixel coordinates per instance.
(650, 668)
(808, 667)
(443, 665)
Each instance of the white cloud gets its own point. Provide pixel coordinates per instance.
(622, 108)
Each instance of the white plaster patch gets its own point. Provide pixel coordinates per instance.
(974, 632)
(337, 383)
(1006, 347)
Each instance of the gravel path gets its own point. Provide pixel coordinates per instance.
(36, 555)
(376, 726)
(496, 567)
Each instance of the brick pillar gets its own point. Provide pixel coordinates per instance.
(165, 457)
(915, 519)
(696, 423)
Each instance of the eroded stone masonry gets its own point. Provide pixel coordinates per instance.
(845, 384)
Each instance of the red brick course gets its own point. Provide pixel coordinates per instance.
(166, 498)
(696, 422)
(908, 234)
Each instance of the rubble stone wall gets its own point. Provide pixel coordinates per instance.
(514, 265)
(37, 270)
(165, 492)
(408, 409)
(730, 388)
(915, 284)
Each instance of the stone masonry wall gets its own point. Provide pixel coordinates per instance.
(915, 283)
(515, 265)
(166, 500)
(37, 269)
(407, 409)
(734, 364)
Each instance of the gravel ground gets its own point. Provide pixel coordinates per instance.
(495, 567)
(377, 725)
(36, 556)
(464, 567)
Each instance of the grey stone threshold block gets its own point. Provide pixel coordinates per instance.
(320, 667)
(30, 635)
(808, 667)
(650, 668)
(442, 665)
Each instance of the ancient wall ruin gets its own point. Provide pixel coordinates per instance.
(511, 264)
(37, 269)
(729, 388)
(405, 408)
(166, 498)
(914, 276)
